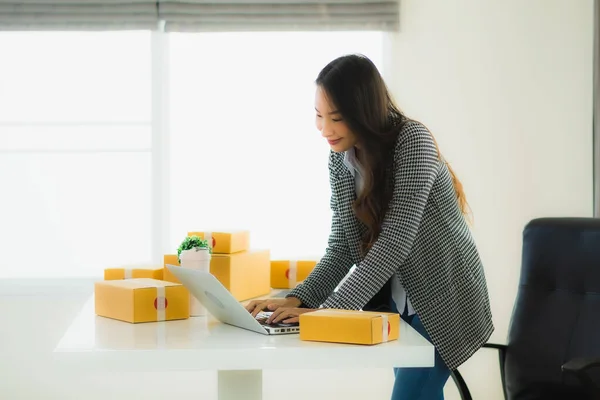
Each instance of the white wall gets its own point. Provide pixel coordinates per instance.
(506, 88)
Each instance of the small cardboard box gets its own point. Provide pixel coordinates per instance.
(225, 242)
(171, 259)
(245, 274)
(286, 274)
(134, 271)
(352, 327)
(141, 300)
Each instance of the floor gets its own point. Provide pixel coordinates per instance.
(36, 313)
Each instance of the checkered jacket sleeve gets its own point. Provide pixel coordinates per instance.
(334, 265)
(416, 167)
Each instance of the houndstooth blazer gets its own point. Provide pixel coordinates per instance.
(424, 242)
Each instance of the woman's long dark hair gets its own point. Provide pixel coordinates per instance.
(357, 90)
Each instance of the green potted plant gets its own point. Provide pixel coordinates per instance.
(195, 253)
(194, 243)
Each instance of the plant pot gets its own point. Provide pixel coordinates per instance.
(199, 259)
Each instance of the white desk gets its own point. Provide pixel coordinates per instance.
(93, 343)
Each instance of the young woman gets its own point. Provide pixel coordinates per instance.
(399, 215)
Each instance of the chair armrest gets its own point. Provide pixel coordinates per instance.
(501, 347)
(578, 367)
(581, 364)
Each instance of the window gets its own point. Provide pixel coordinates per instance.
(244, 149)
(75, 150)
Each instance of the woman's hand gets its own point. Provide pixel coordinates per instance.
(256, 306)
(287, 315)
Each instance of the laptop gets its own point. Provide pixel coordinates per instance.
(223, 306)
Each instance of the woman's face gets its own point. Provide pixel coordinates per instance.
(333, 128)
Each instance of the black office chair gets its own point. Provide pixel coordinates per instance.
(553, 349)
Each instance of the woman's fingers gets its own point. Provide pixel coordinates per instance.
(259, 307)
(288, 315)
(273, 318)
(279, 312)
(250, 306)
(283, 313)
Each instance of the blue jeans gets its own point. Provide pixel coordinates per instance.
(420, 383)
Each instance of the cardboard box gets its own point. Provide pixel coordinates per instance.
(171, 259)
(245, 274)
(134, 271)
(141, 300)
(286, 274)
(352, 327)
(225, 242)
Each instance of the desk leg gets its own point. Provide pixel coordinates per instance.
(236, 385)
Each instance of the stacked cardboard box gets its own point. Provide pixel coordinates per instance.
(247, 273)
(134, 271)
(286, 274)
(227, 242)
(243, 271)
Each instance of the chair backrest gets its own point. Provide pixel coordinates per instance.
(556, 315)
